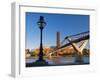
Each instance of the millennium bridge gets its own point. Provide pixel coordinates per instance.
(77, 41)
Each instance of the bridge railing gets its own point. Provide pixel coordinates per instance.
(75, 37)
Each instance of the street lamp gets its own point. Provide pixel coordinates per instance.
(41, 23)
(41, 62)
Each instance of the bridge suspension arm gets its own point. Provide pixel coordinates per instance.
(83, 45)
(78, 49)
(74, 45)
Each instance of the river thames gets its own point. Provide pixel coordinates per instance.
(55, 61)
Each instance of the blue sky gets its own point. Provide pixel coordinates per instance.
(66, 24)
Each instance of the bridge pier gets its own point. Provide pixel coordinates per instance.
(79, 58)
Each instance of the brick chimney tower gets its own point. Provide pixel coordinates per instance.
(58, 40)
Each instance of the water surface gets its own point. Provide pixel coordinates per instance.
(60, 60)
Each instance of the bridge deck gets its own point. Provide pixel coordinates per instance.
(76, 41)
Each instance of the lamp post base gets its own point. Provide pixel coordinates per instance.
(41, 63)
(37, 63)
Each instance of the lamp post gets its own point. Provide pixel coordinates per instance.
(41, 23)
(41, 62)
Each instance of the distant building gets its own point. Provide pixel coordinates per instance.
(58, 40)
(27, 53)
